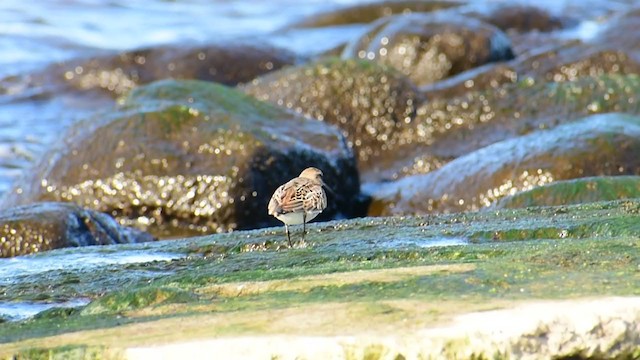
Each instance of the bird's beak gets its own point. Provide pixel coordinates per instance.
(328, 188)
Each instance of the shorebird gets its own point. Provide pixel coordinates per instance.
(300, 200)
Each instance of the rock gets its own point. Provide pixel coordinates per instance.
(489, 77)
(576, 191)
(191, 157)
(116, 74)
(620, 31)
(367, 101)
(445, 129)
(47, 226)
(366, 13)
(575, 61)
(569, 61)
(518, 17)
(454, 127)
(599, 145)
(543, 282)
(555, 57)
(430, 47)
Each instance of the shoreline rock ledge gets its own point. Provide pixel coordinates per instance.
(607, 327)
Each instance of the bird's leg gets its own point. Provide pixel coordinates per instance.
(286, 229)
(304, 224)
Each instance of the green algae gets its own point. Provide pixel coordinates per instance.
(69, 352)
(126, 300)
(576, 191)
(539, 253)
(201, 96)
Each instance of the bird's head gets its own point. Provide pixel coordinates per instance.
(312, 174)
(316, 175)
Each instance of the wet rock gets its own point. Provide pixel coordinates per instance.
(190, 157)
(431, 47)
(361, 276)
(47, 226)
(568, 61)
(530, 29)
(366, 13)
(599, 145)
(445, 129)
(367, 101)
(518, 18)
(621, 30)
(576, 191)
(573, 62)
(556, 57)
(484, 78)
(116, 74)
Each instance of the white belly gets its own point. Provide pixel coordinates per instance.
(296, 218)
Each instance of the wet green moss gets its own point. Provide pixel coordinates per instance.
(576, 191)
(127, 300)
(193, 96)
(58, 314)
(540, 253)
(69, 352)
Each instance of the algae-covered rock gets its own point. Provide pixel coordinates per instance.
(605, 144)
(574, 61)
(46, 226)
(556, 59)
(190, 157)
(367, 101)
(430, 47)
(505, 283)
(366, 13)
(446, 128)
(576, 191)
(119, 302)
(116, 74)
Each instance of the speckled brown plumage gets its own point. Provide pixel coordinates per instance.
(299, 200)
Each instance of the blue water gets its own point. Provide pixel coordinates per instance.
(33, 33)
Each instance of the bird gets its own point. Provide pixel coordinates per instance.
(299, 200)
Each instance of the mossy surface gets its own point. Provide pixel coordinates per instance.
(377, 270)
(576, 191)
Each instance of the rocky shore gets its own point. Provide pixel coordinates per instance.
(483, 160)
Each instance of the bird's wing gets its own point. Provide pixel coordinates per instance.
(274, 203)
(315, 199)
(293, 195)
(290, 197)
